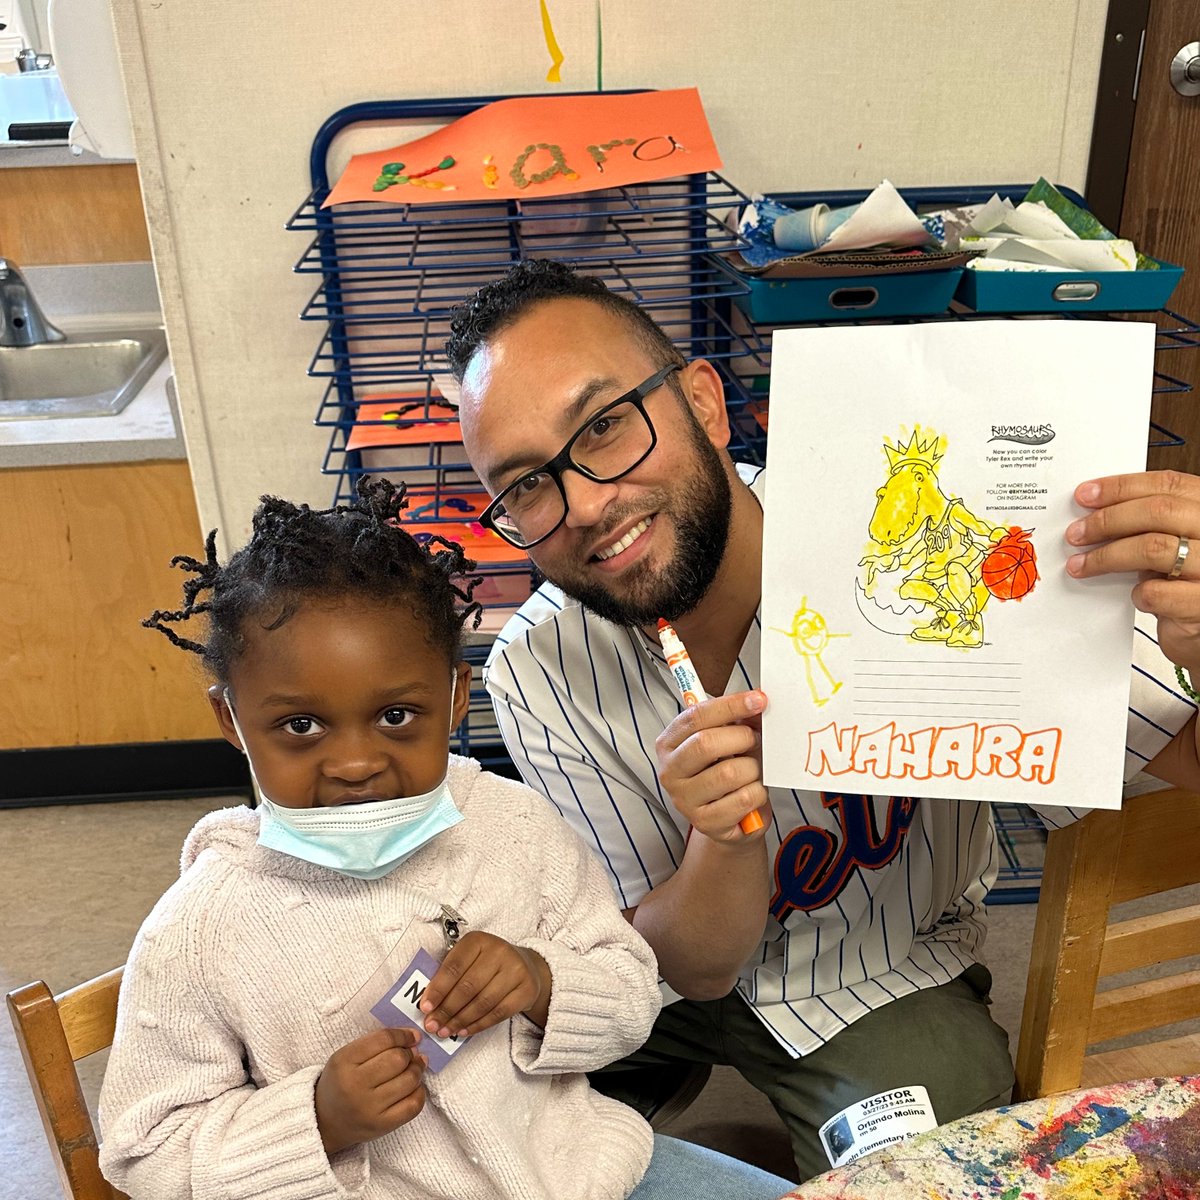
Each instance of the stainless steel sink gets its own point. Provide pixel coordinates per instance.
(91, 374)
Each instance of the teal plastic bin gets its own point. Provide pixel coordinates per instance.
(1068, 291)
(929, 293)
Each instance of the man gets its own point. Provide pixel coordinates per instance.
(834, 954)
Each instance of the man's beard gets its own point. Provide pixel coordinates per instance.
(701, 513)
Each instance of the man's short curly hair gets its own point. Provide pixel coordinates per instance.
(498, 304)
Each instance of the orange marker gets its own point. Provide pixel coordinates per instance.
(692, 691)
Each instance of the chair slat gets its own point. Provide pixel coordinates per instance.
(1145, 1005)
(89, 1013)
(1159, 848)
(1146, 940)
(1177, 1056)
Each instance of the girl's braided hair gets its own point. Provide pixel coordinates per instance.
(297, 553)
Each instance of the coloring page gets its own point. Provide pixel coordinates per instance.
(920, 634)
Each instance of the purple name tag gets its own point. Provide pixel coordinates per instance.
(399, 1006)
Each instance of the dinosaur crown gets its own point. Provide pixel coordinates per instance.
(916, 453)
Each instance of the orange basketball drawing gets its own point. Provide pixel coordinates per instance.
(1010, 569)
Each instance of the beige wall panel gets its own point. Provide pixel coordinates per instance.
(843, 93)
(800, 94)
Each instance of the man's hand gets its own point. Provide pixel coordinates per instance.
(485, 980)
(369, 1087)
(710, 764)
(1136, 524)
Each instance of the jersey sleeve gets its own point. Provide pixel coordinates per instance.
(1158, 710)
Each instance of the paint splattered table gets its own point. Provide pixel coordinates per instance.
(1139, 1140)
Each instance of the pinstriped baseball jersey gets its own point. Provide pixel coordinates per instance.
(875, 896)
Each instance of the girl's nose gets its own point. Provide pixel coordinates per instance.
(353, 759)
(586, 499)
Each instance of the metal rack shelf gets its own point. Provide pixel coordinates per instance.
(1174, 332)
(390, 275)
(383, 296)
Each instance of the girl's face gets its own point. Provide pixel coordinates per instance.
(342, 704)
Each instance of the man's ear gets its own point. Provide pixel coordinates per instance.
(462, 694)
(216, 697)
(707, 394)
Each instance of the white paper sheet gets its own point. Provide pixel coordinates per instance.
(899, 460)
(883, 218)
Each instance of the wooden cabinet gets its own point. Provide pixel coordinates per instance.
(79, 214)
(84, 555)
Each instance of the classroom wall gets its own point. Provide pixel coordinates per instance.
(800, 94)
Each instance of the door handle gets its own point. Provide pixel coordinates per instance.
(1185, 70)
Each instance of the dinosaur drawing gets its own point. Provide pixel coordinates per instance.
(936, 540)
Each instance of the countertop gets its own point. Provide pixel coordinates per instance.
(112, 296)
(48, 154)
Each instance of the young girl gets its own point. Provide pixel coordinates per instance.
(262, 1048)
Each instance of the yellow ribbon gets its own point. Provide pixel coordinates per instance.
(556, 55)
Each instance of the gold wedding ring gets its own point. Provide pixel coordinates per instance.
(1180, 558)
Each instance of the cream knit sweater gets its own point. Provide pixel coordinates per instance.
(255, 966)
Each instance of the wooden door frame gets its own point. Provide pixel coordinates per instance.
(1116, 106)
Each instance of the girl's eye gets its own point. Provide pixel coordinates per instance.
(395, 718)
(302, 726)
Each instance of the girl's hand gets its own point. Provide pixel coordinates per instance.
(369, 1087)
(485, 980)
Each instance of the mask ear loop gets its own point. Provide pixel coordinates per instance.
(258, 795)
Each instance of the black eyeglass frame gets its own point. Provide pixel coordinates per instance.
(562, 461)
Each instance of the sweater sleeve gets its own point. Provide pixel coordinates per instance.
(605, 993)
(179, 1114)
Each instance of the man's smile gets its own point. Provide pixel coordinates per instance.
(623, 543)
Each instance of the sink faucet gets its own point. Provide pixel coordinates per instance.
(22, 322)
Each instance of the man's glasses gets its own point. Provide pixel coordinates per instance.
(612, 442)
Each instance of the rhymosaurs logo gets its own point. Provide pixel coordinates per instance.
(1025, 435)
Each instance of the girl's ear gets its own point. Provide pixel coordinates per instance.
(462, 694)
(216, 697)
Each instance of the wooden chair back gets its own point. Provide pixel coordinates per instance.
(54, 1033)
(1151, 845)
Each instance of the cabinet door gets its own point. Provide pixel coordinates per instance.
(84, 557)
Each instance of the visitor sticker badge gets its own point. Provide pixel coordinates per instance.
(399, 1006)
(880, 1120)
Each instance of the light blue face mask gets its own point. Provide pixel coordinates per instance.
(364, 841)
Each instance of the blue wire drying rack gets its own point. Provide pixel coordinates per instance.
(388, 275)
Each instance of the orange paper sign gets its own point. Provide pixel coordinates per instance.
(456, 519)
(538, 146)
(394, 408)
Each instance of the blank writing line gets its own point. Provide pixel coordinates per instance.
(895, 663)
(931, 716)
(946, 703)
(868, 687)
(924, 675)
